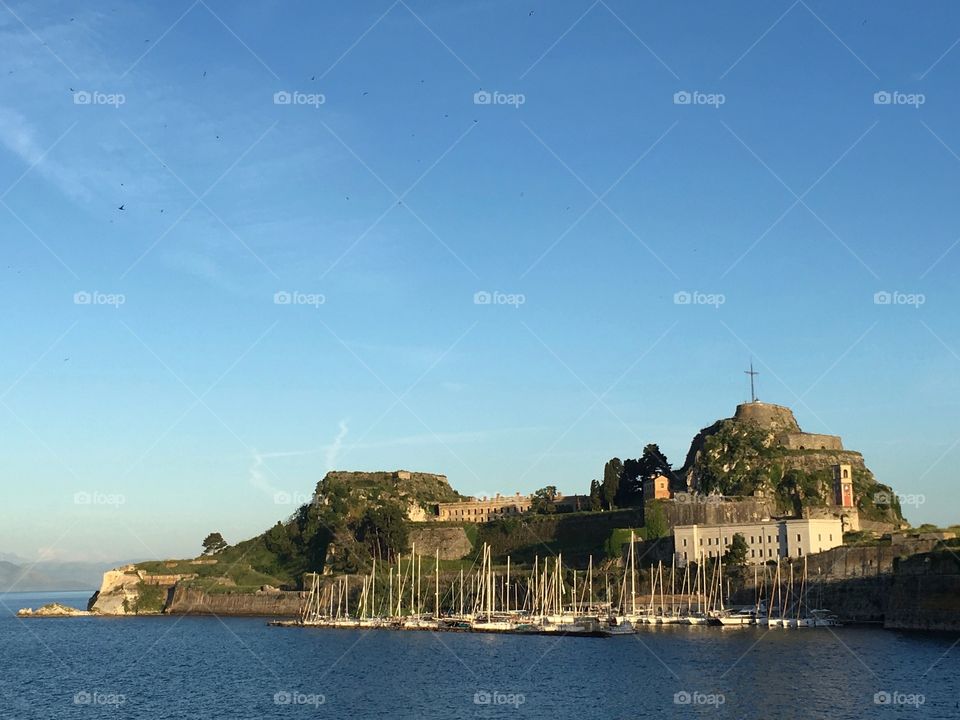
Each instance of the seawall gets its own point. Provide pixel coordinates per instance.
(194, 601)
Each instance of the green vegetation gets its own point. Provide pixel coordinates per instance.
(736, 554)
(542, 501)
(213, 543)
(150, 599)
(655, 520)
(619, 537)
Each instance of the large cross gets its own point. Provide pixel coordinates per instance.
(752, 373)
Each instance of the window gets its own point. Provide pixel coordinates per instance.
(846, 473)
(684, 544)
(770, 552)
(769, 538)
(798, 537)
(684, 555)
(753, 553)
(799, 551)
(701, 542)
(819, 537)
(726, 541)
(831, 537)
(751, 538)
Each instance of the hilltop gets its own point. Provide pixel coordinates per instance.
(762, 450)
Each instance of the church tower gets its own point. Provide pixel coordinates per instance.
(843, 485)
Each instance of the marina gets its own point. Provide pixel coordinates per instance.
(551, 600)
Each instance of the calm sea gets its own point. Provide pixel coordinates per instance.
(186, 667)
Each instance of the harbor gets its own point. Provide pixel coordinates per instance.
(549, 599)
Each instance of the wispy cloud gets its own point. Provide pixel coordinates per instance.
(333, 451)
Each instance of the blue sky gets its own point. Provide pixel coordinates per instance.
(150, 365)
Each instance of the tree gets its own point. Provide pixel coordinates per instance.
(653, 462)
(214, 543)
(611, 482)
(596, 496)
(542, 501)
(736, 554)
(655, 521)
(383, 530)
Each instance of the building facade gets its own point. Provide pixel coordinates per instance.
(484, 509)
(657, 488)
(766, 540)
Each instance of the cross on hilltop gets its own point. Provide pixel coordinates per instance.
(751, 372)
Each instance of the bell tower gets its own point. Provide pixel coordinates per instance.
(843, 485)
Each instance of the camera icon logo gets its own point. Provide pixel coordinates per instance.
(482, 697)
(682, 97)
(282, 697)
(82, 298)
(882, 97)
(282, 97)
(482, 297)
(82, 698)
(682, 298)
(482, 97)
(882, 298)
(282, 297)
(882, 698)
(682, 698)
(82, 97)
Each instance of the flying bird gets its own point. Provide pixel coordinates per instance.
(121, 207)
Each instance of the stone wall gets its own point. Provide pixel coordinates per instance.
(452, 542)
(925, 593)
(690, 509)
(809, 441)
(776, 418)
(194, 601)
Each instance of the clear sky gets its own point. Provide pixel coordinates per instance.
(159, 202)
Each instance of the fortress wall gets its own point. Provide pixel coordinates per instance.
(810, 441)
(195, 601)
(767, 415)
(692, 509)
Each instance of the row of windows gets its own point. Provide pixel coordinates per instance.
(756, 539)
(483, 511)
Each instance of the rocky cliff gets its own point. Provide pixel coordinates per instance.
(762, 450)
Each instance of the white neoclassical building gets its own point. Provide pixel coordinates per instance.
(766, 540)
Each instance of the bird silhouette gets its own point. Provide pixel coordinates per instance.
(121, 207)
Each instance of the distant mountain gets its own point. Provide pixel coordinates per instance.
(25, 576)
(19, 578)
